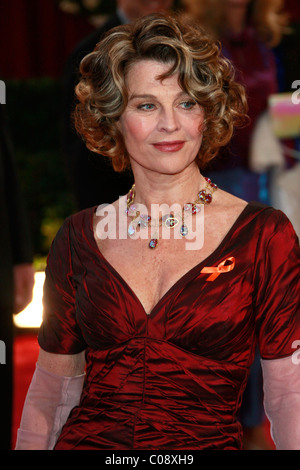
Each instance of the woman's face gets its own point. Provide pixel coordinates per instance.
(162, 124)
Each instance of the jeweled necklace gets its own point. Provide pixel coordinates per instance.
(170, 221)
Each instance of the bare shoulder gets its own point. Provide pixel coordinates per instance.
(227, 207)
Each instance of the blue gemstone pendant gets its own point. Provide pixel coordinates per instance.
(153, 242)
(131, 229)
(183, 230)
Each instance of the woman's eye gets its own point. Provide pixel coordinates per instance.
(146, 106)
(188, 104)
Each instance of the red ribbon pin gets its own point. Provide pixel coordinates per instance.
(215, 271)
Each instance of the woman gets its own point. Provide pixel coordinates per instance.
(164, 323)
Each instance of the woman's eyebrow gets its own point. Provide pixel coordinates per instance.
(153, 97)
(146, 96)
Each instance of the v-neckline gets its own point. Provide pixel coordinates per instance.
(182, 279)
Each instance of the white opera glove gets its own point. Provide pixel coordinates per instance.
(48, 403)
(282, 401)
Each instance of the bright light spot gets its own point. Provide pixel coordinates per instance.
(31, 316)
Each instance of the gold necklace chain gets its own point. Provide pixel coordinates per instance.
(170, 221)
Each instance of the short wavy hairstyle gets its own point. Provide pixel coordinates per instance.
(202, 73)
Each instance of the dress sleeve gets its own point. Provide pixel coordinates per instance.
(277, 280)
(281, 379)
(59, 332)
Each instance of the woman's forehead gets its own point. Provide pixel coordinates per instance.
(147, 73)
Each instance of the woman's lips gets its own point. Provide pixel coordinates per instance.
(172, 146)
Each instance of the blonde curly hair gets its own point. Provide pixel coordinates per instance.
(202, 73)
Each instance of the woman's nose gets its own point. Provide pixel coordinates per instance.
(168, 121)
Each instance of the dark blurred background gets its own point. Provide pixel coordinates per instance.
(36, 39)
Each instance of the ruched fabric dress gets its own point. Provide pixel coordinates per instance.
(172, 379)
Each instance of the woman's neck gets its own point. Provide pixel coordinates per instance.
(152, 189)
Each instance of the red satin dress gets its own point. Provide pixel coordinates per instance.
(172, 379)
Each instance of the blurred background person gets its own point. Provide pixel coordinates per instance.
(16, 270)
(93, 179)
(248, 31)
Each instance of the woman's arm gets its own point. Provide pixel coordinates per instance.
(282, 401)
(68, 365)
(54, 391)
